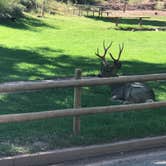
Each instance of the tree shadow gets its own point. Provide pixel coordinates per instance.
(20, 64)
(133, 29)
(139, 67)
(130, 21)
(25, 23)
(144, 22)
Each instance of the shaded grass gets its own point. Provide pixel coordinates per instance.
(139, 29)
(21, 64)
(24, 23)
(44, 52)
(150, 22)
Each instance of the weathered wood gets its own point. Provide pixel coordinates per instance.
(87, 12)
(68, 154)
(99, 12)
(117, 21)
(45, 84)
(79, 111)
(140, 22)
(73, 11)
(77, 103)
(79, 11)
(93, 12)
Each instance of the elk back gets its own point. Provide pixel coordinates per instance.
(135, 92)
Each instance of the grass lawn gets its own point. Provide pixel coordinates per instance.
(33, 49)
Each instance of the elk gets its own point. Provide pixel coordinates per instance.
(136, 92)
(108, 69)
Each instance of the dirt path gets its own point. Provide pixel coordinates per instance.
(148, 13)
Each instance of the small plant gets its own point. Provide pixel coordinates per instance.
(10, 9)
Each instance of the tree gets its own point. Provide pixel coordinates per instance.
(42, 5)
(43, 8)
(125, 5)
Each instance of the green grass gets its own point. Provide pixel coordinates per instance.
(33, 49)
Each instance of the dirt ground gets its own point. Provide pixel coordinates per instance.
(135, 13)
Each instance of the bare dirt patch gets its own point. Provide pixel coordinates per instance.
(136, 13)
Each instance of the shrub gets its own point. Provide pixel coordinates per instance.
(10, 9)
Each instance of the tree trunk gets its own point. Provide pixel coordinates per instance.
(43, 8)
(125, 6)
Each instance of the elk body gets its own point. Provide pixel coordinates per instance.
(135, 92)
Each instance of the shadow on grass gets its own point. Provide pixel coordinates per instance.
(20, 64)
(130, 21)
(25, 23)
(49, 134)
(139, 29)
(17, 64)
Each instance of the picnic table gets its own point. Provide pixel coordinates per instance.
(117, 19)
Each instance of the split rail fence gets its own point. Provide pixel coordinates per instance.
(77, 83)
(91, 10)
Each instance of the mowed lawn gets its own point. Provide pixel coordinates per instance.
(49, 48)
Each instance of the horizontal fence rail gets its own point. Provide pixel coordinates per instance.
(45, 84)
(78, 112)
(76, 82)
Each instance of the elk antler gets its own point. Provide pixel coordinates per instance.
(105, 51)
(120, 52)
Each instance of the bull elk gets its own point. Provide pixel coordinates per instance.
(135, 92)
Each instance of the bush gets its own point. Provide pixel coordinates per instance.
(10, 9)
(29, 4)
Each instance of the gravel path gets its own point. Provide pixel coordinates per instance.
(146, 158)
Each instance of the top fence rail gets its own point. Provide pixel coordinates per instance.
(46, 84)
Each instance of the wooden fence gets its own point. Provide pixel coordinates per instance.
(90, 10)
(77, 83)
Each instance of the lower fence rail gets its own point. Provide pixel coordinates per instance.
(79, 112)
(77, 83)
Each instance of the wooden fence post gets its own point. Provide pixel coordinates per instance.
(79, 11)
(140, 22)
(87, 12)
(77, 103)
(116, 21)
(73, 11)
(93, 13)
(43, 8)
(99, 12)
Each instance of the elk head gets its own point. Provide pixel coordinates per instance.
(108, 69)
